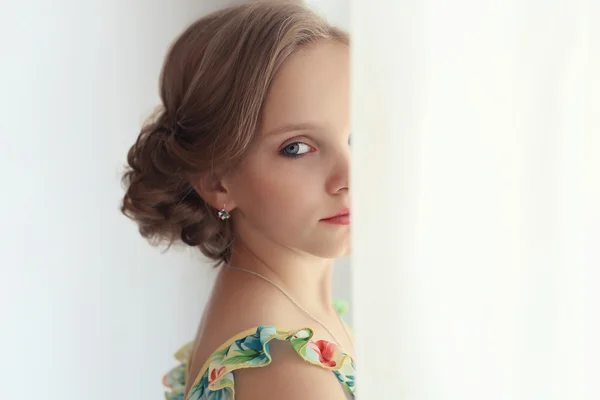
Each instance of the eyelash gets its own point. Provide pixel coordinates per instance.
(286, 155)
(282, 151)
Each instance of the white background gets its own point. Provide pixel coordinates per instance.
(87, 308)
(477, 126)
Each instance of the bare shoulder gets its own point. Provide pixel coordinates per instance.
(287, 377)
(230, 312)
(239, 307)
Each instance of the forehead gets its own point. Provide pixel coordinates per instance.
(312, 86)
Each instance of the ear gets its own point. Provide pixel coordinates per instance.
(211, 188)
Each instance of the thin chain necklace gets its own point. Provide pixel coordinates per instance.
(295, 303)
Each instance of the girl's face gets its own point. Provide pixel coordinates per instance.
(297, 171)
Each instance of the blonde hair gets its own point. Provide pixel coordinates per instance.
(213, 84)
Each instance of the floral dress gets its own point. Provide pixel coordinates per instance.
(251, 349)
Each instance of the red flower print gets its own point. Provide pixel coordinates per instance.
(216, 374)
(325, 350)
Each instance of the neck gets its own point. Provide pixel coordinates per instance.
(304, 277)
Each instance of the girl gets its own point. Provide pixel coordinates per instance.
(248, 160)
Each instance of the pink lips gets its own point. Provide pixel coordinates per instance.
(340, 218)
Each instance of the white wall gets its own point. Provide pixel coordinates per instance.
(88, 308)
(477, 124)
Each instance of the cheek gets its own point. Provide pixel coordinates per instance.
(276, 193)
(285, 203)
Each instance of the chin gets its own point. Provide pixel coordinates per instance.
(348, 251)
(345, 251)
(332, 250)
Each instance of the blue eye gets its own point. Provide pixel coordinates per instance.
(295, 149)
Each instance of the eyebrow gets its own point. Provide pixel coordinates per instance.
(293, 128)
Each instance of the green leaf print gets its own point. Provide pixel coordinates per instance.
(248, 353)
(237, 360)
(299, 343)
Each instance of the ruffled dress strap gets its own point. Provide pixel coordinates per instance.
(250, 349)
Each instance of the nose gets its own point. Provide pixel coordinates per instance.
(339, 175)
